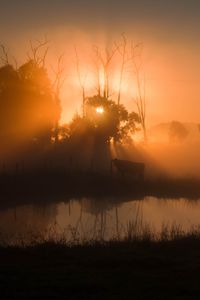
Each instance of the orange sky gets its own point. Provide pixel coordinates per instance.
(169, 31)
(171, 72)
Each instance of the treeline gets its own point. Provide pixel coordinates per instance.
(30, 111)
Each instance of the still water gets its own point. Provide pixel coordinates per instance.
(92, 218)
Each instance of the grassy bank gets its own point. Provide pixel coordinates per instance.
(139, 267)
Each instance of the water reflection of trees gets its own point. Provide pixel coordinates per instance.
(105, 215)
(21, 220)
(97, 218)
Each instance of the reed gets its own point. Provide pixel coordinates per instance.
(135, 232)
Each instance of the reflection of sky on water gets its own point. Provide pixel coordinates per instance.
(103, 217)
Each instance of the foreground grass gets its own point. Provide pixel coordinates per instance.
(135, 268)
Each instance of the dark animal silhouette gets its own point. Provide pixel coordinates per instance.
(135, 169)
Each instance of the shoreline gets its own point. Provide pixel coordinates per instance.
(52, 187)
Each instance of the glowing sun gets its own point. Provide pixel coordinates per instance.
(100, 110)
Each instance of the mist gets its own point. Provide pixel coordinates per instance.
(168, 33)
(168, 97)
(99, 149)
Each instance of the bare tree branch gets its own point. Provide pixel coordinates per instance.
(4, 58)
(58, 83)
(122, 51)
(81, 81)
(97, 65)
(35, 54)
(140, 99)
(105, 62)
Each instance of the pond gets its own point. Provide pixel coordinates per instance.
(95, 218)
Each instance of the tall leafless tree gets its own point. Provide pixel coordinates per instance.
(105, 62)
(58, 84)
(123, 52)
(38, 52)
(4, 57)
(140, 98)
(97, 64)
(82, 81)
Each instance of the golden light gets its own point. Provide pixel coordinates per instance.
(100, 110)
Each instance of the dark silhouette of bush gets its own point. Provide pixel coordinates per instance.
(27, 106)
(177, 131)
(104, 120)
(198, 126)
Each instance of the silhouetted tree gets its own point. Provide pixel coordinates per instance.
(198, 126)
(58, 83)
(27, 106)
(122, 49)
(104, 119)
(177, 131)
(103, 62)
(140, 98)
(81, 81)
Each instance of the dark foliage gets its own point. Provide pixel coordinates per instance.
(114, 122)
(28, 111)
(177, 131)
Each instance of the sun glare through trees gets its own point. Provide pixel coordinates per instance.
(99, 149)
(99, 110)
